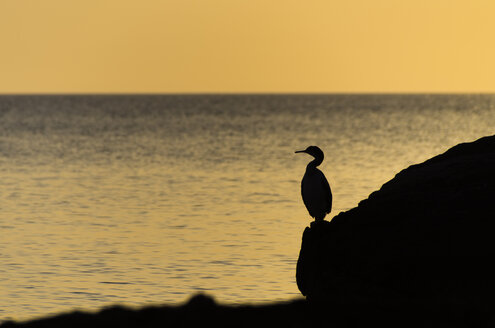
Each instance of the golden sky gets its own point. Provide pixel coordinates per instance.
(152, 46)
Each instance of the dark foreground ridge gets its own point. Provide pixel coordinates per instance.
(202, 311)
(418, 252)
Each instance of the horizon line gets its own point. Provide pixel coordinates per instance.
(241, 93)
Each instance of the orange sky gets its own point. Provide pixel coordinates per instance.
(151, 46)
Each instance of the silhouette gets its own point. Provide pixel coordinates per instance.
(203, 311)
(315, 190)
(426, 237)
(418, 252)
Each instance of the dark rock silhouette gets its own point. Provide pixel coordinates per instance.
(427, 236)
(199, 311)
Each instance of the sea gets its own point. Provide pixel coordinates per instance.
(143, 200)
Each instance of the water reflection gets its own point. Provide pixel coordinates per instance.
(140, 200)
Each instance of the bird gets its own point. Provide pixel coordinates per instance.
(315, 190)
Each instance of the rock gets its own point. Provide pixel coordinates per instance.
(203, 311)
(199, 311)
(428, 235)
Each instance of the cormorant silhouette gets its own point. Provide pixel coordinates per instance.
(315, 190)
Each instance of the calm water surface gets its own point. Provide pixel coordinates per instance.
(142, 200)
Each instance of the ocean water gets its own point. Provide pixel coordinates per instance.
(141, 200)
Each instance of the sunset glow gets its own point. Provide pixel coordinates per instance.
(56, 46)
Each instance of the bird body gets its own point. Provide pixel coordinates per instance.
(315, 189)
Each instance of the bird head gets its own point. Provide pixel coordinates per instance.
(313, 151)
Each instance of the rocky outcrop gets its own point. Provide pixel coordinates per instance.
(428, 235)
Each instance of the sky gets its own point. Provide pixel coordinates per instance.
(246, 46)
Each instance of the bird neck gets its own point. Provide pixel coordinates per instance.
(314, 163)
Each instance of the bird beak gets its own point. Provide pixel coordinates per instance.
(300, 151)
